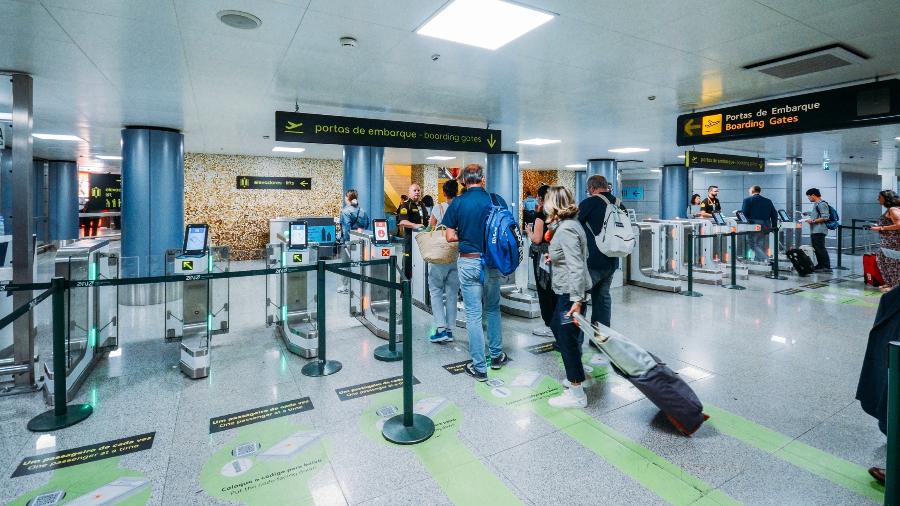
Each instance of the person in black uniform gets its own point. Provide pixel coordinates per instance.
(411, 215)
(710, 204)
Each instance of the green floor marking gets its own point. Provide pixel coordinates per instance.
(80, 480)
(461, 474)
(844, 296)
(265, 462)
(530, 390)
(834, 469)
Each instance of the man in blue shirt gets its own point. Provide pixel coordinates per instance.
(760, 211)
(466, 219)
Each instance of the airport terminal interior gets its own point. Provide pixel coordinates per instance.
(229, 271)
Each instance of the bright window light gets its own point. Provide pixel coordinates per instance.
(524, 162)
(628, 150)
(5, 116)
(108, 157)
(56, 137)
(538, 141)
(441, 158)
(488, 24)
(576, 166)
(282, 149)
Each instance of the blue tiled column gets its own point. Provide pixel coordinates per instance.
(673, 192)
(364, 172)
(580, 185)
(502, 178)
(605, 167)
(152, 196)
(63, 200)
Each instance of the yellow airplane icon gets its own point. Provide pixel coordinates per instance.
(293, 126)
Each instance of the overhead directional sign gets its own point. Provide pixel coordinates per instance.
(349, 131)
(273, 183)
(718, 161)
(849, 107)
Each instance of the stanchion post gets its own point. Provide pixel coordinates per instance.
(389, 352)
(775, 274)
(853, 238)
(321, 366)
(408, 427)
(690, 253)
(840, 247)
(61, 415)
(892, 469)
(734, 285)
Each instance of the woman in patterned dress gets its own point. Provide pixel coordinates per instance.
(889, 228)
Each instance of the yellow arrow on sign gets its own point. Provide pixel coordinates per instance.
(690, 128)
(491, 141)
(303, 183)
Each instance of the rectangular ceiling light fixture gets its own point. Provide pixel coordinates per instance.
(628, 150)
(538, 141)
(777, 164)
(5, 116)
(108, 157)
(441, 158)
(576, 166)
(56, 137)
(488, 24)
(282, 149)
(524, 162)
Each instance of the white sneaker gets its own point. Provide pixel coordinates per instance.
(569, 399)
(542, 332)
(586, 383)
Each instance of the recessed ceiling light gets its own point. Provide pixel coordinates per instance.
(282, 149)
(5, 116)
(681, 156)
(239, 19)
(488, 24)
(628, 150)
(655, 170)
(712, 172)
(55, 137)
(441, 158)
(576, 166)
(777, 164)
(538, 141)
(524, 162)
(108, 157)
(897, 138)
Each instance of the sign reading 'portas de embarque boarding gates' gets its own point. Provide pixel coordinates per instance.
(849, 107)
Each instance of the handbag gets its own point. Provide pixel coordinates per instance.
(434, 246)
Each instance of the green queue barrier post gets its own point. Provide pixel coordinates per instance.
(389, 352)
(840, 248)
(853, 237)
(61, 415)
(775, 274)
(892, 469)
(321, 366)
(690, 253)
(407, 428)
(734, 285)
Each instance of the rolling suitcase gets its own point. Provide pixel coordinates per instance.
(801, 261)
(871, 271)
(661, 385)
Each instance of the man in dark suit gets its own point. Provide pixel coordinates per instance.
(760, 211)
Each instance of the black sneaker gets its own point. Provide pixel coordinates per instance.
(498, 361)
(470, 370)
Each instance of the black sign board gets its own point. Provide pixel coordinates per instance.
(105, 193)
(372, 387)
(538, 349)
(850, 107)
(83, 454)
(260, 414)
(348, 131)
(273, 183)
(718, 161)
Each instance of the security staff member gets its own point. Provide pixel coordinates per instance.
(411, 215)
(710, 204)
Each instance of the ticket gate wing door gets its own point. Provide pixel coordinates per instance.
(292, 299)
(373, 303)
(219, 290)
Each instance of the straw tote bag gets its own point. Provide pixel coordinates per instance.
(434, 247)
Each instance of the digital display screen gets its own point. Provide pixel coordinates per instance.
(297, 235)
(741, 217)
(321, 234)
(381, 231)
(783, 215)
(717, 217)
(195, 239)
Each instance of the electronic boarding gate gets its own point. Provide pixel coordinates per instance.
(291, 296)
(90, 312)
(657, 260)
(370, 303)
(747, 261)
(204, 305)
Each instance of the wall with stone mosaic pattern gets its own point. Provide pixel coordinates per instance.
(533, 179)
(566, 178)
(240, 218)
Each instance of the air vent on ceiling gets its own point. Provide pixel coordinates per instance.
(239, 19)
(809, 62)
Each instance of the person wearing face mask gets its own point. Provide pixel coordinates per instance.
(352, 218)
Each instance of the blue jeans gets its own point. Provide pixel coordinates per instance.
(443, 285)
(474, 295)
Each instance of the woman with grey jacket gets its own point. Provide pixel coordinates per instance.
(572, 284)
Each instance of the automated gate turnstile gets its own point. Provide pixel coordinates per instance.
(370, 303)
(291, 296)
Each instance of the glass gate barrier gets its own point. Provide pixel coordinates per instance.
(291, 298)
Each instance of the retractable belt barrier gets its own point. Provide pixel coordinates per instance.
(733, 286)
(405, 428)
(840, 241)
(892, 469)
(776, 250)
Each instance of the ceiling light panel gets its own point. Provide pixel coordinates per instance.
(57, 137)
(488, 24)
(108, 157)
(441, 158)
(538, 141)
(282, 149)
(5, 116)
(576, 166)
(524, 162)
(628, 150)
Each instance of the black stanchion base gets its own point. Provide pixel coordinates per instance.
(385, 354)
(776, 276)
(840, 268)
(691, 293)
(321, 368)
(735, 287)
(50, 421)
(395, 432)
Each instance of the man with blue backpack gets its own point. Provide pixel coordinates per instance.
(823, 218)
(486, 232)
